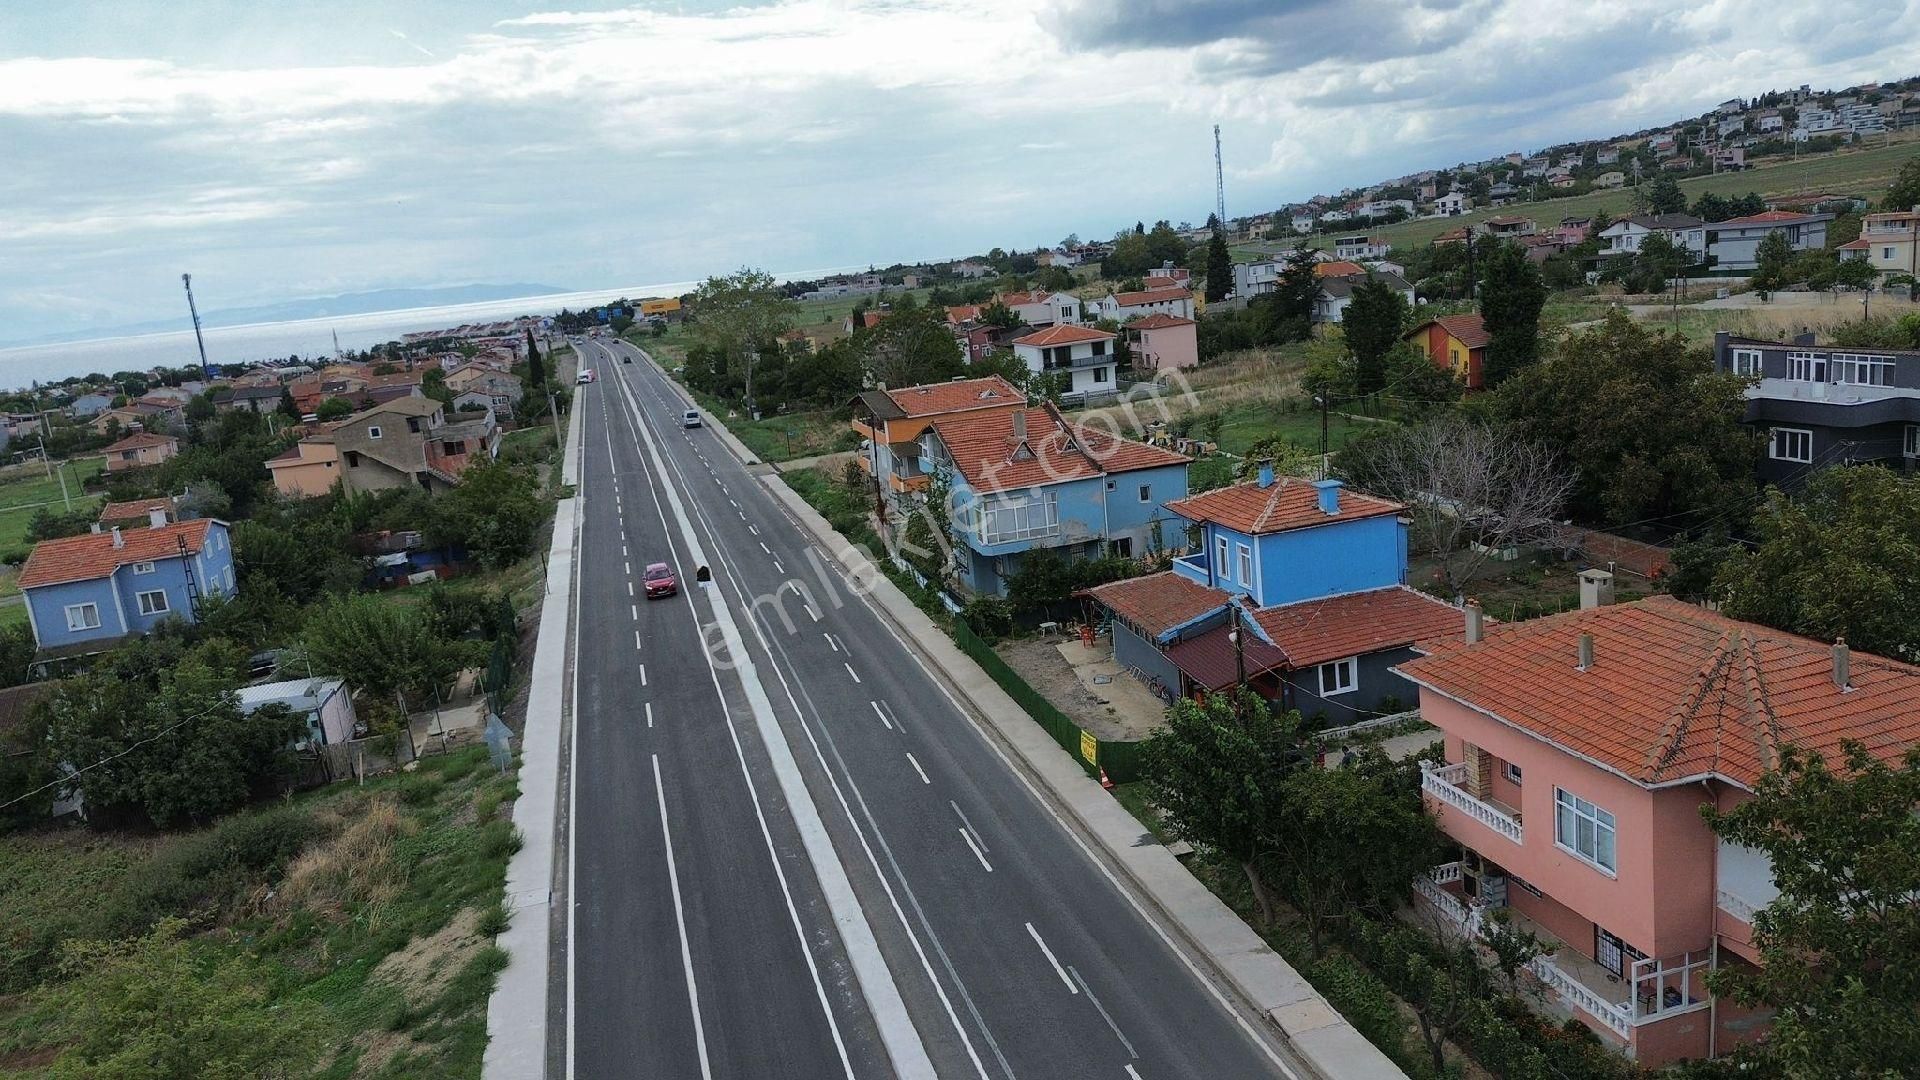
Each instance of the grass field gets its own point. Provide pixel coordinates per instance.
(347, 932)
(1863, 172)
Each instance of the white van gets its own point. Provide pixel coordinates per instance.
(690, 418)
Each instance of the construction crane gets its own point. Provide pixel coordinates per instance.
(206, 372)
(1219, 181)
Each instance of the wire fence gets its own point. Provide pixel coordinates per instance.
(1120, 760)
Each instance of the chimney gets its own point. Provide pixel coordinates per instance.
(118, 540)
(1329, 492)
(95, 527)
(1475, 621)
(1596, 588)
(1586, 651)
(1019, 425)
(1842, 665)
(156, 517)
(1266, 474)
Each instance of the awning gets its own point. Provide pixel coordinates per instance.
(1208, 659)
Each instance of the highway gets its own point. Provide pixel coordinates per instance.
(791, 853)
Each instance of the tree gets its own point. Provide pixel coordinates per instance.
(1511, 296)
(912, 347)
(1837, 943)
(387, 648)
(1470, 489)
(288, 408)
(1904, 192)
(739, 314)
(1217, 772)
(1350, 840)
(334, 408)
(1001, 362)
(1295, 291)
(170, 747)
(1648, 426)
(494, 512)
(1854, 273)
(536, 367)
(1835, 562)
(1773, 258)
(998, 314)
(1219, 268)
(1664, 196)
(1373, 323)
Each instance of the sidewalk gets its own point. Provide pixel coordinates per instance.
(517, 1010)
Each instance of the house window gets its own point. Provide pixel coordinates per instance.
(1112, 484)
(1852, 369)
(1246, 564)
(1146, 493)
(1886, 253)
(1790, 444)
(453, 446)
(373, 431)
(1220, 566)
(143, 568)
(1099, 348)
(83, 616)
(1100, 374)
(1746, 362)
(153, 602)
(1511, 771)
(1807, 366)
(353, 459)
(1912, 447)
(1121, 548)
(1339, 677)
(1583, 828)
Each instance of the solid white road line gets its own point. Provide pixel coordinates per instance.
(1062, 972)
(649, 714)
(680, 917)
(917, 768)
(881, 715)
(1104, 1014)
(968, 824)
(975, 848)
(850, 671)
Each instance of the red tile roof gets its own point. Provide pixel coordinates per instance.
(140, 441)
(92, 555)
(956, 396)
(1159, 320)
(963, 313)
(1152, 296)
(1338, 268)
(1017, 299)
(985, 453)
(1470, 330)
(1862, 244)
(1164, 281)
(1156, 603)
(135, 510)
(1315, 631)
(1063, 334)
(1290, 503)
(1676, 693)
(1208, 659)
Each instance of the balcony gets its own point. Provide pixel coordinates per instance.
(1445, 785)
(1013, 524)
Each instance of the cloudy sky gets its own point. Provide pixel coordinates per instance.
(306, 148)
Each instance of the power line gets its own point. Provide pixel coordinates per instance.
(68, 778)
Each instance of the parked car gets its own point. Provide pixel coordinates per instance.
(690, 418)
(659, 580)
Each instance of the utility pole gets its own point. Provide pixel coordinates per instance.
(1239, 648)
(186, 281)
(1325, 401)
(1219, 181)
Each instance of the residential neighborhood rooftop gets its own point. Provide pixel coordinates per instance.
(1065, 334)
(1159, 320)
(1676, 693)
(95, 555)
(955, 396)
(1290, 503)
(990, 457)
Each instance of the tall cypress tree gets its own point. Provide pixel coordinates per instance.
(1219, 268)
(1511, 296)
(536, 370)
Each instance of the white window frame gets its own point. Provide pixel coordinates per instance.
(1146, 493)
(143, 567)
(1774, 450)
(1338, 677)
(1746, 362)
(146, 608)
(1572, 810)
(1244, 563)
(1222, 553)
(1862, 369)
(86, 611)
(1512, 772)
(1806, 366)
(373, 431)
(1912, 446)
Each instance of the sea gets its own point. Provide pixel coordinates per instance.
(233, 346)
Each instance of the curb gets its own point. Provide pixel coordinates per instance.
(517, 1008)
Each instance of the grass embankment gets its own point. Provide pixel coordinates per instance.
(346, 932)
(1861, 172)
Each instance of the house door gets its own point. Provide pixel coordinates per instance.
(1609, 950)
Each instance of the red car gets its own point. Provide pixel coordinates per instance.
(659, 580)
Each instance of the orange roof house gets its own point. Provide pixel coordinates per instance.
(1456, 344)
(138, 451)
(892, 421)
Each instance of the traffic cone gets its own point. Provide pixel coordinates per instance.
(1104, 782)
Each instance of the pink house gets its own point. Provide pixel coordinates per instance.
(1163, 342)
(1580, 749)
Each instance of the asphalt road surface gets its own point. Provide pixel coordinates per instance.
(792, 854)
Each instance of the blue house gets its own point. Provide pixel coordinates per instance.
(1313, 574)
(84, 593)
(1025, 480)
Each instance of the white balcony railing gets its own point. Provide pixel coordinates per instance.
(1618, 1018)
(1463, 913)
(1444, 784)
(1736, 907)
